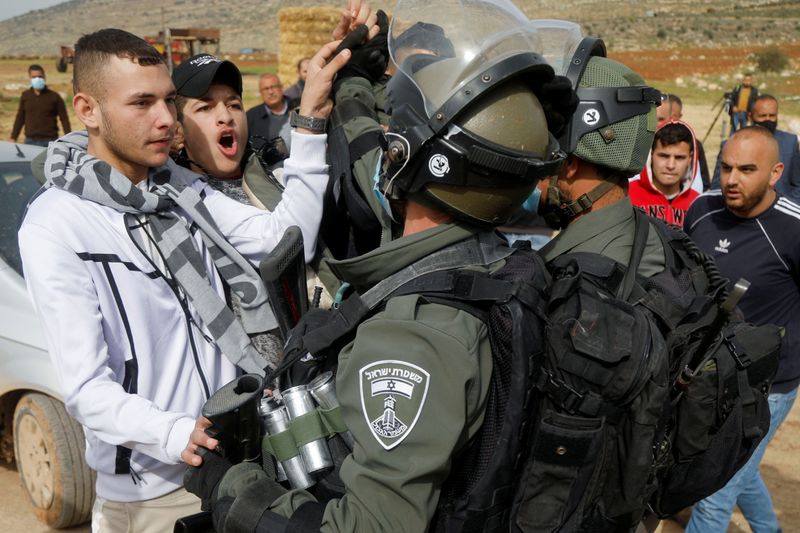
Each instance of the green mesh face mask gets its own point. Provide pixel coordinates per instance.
(622, 145)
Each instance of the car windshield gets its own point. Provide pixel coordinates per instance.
(17, 185)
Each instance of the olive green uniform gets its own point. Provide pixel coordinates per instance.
(393, 483)
(608, 231)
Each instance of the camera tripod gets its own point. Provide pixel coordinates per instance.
(726, 105)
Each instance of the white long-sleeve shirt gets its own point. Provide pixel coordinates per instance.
(133, 364)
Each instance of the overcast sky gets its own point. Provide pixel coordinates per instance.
(12, 8)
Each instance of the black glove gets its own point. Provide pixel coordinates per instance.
(244, 495)
(369, 58)
(559, 102)
(296, 350)
(203, 480)
(219, 512)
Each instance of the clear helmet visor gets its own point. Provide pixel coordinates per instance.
(559, 39)
(472, 35)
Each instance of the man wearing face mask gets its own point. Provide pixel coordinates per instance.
(765, 113)
(38, 109)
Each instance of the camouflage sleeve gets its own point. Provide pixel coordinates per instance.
(355, 126)
(413, 387)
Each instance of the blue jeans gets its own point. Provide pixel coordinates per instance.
(738, 121)
(746, 488)
(38, 142)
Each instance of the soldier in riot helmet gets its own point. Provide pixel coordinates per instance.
(468, 142)
(621, 277)
(607, 142)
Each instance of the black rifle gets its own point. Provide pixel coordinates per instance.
(283, 272)
(705, 350)
(196, 523)
(233, 412)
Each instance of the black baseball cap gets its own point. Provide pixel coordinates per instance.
(194, 76)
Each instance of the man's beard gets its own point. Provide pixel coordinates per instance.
(746, 202)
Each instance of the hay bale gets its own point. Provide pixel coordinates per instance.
(303, 30)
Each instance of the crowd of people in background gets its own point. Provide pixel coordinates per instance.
(665, 188)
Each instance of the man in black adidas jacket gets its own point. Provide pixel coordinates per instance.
(751, 230)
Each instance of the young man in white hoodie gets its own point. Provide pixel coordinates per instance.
(127, 258)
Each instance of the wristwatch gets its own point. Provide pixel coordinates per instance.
(317, 125)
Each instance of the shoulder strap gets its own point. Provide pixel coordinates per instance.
(666, 237)
(642, 225)
(475, 251)
(681, 246)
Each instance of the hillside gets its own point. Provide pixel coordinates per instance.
(624, 24)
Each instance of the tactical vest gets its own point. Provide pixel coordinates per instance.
(478, 493)
(586, 422)
(617, 430)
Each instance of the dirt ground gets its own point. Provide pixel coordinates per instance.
(780, 468)
(16, 511)
(781, 465)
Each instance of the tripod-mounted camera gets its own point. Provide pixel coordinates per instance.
(727, 103)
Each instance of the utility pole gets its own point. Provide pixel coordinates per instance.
(167, 42)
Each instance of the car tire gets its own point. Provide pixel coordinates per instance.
(49, 450)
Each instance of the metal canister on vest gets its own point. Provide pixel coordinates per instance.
(275, 419)
(315, 454)
(323, 389)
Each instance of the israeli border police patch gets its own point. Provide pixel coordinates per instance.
(392, 396)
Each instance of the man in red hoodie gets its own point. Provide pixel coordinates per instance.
(664, 188)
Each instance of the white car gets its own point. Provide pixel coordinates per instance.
(34, 426)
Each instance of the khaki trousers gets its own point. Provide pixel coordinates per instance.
(150, 516)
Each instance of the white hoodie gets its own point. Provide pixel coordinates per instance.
(133, 367)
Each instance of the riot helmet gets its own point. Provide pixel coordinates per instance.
(468, 133)
(614, 123)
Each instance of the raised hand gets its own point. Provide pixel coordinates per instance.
(316, 100)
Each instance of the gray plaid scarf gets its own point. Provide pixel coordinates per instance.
(70, 168)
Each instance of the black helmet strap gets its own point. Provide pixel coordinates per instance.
(558, 214)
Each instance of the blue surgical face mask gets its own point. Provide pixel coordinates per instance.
(376, 188)
(37, 83)
(531, 205)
